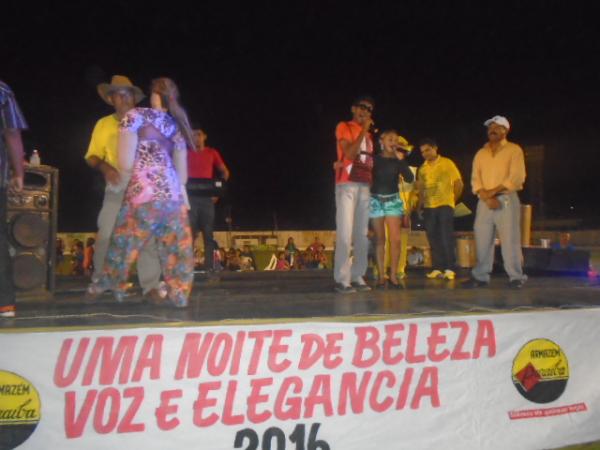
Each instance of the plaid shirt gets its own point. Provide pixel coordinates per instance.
(11, 117)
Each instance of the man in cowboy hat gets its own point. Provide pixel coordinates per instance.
(122, 95)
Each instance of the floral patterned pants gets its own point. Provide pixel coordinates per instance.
(165, 221)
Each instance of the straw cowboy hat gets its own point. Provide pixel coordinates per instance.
(119, 82)
(404, 145)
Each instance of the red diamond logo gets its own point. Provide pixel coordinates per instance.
(528, 376)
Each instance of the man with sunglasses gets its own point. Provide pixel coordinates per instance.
(352, 194)
(122, 95)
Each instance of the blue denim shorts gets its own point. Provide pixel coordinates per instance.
(385, 206)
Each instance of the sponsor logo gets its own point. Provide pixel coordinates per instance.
(20, 409)
(540, 371)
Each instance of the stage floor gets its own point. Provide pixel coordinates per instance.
(272, 296)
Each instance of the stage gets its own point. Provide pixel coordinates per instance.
(267, 357)
(302, 295)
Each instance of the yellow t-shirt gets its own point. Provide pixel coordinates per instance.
(438, 182)
(103, 144)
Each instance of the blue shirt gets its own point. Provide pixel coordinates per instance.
(11, 117)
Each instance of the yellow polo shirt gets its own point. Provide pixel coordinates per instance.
(103, 144)
(438, 179)
(505, 167)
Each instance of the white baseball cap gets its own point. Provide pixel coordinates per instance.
(499, 120)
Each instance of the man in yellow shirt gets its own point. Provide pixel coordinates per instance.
(498, 174)
(440, 185)
(122, 95)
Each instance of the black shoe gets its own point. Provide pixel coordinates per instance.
(516, 284)
(473, 283)
(361, 287)
(380, 285)
(398, 285)
(341, 289)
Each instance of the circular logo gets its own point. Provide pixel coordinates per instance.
(540, 371)
(20, 409)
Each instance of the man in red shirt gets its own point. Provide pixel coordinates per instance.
(352, 195)
(201, 167)
(317, 246)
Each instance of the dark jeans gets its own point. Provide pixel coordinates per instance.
(7, 290)
(202, 219)
(439, 225)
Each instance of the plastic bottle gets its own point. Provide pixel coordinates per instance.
(35, 158)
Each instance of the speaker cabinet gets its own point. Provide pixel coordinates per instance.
(32, 223)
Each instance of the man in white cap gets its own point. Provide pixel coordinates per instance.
(498, 174)
(122, 95)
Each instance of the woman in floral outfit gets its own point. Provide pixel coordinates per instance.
(152, 156)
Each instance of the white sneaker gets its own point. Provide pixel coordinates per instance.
(360, 285)
(435, 274)
(449, 274)
(8, 314)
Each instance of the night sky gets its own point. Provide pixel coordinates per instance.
(269, 82)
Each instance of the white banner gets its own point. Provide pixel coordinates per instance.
(519, 381)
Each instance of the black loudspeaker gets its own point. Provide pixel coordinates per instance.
(538, 259)
(32, 223)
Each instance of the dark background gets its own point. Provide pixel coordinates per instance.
(269, 81)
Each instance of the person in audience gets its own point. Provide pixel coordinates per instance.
(321, 260)
(247, 259)
(220, 259)
(198, 258)
(313, 260)
(564, 242)
(88, 256)
(316, 246)
(77, 253)
(282, 263)
(233, 260)
(301, 260)
(291, 251)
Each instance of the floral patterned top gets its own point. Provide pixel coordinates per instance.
(153, 177)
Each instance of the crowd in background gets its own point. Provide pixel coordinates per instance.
(288, 258)
(78, 258)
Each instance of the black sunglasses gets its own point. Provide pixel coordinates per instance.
(364, 106)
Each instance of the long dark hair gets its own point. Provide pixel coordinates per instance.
(169, 96)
